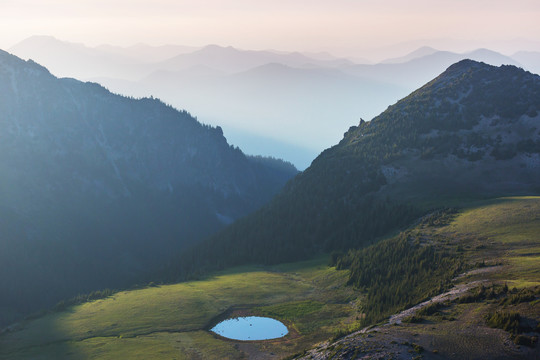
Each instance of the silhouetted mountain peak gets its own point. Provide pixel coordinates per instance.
(465, 65)
(12, 64)
(473, 113)
(496, 82)
(489, 71)
(455, 71)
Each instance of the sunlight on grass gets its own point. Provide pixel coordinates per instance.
(511, 227)
(497, 217)
(170, 321)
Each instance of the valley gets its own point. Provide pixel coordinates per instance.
(415, 236)
(262, 99)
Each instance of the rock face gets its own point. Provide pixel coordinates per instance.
(97, 188)
(472, 132)
(475, 129)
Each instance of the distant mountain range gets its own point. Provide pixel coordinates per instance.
(530, 60)
(67, 59)
(418, 53)
(252, 94)
(97, 188)
(417, 68)
(471, 133)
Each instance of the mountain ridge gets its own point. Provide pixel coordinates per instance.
(240, 95)
(109, 185)
(470, 133)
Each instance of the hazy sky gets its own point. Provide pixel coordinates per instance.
(341, 26)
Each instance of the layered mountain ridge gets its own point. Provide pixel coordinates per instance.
(262, 99)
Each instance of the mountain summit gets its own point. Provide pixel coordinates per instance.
(473, 128)
(472, 132)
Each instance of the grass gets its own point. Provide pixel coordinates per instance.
(505, 235)
(171, 321)
(499, 241)
(294, 310)
(190, 345)
(503, 231)
(307, 316)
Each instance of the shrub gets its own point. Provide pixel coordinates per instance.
(529, 341)
(508, 321)
(417, 348)
(430, 309)
(413, 319)
(524, 295)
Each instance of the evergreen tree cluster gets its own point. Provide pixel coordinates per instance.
(82, 298)
(398, 273)
(269, 236)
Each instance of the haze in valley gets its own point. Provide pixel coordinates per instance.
(281, 78)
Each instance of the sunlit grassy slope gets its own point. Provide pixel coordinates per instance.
(171, 321)
(503, 232)
(504, 235)
(498, 242)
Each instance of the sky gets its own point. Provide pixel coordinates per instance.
(343, 27)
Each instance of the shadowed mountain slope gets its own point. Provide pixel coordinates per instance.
(97, 189)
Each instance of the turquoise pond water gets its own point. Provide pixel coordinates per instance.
(251, 328)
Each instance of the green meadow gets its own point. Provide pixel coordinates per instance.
(172, 321)
(503, 232)
(501, 236)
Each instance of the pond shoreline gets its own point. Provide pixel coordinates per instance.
(251, 328)
(245, 310)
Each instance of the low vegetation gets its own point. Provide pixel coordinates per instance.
(494, 309)
(401, 271)
(506, 320)
(83, 298)
(172, 321)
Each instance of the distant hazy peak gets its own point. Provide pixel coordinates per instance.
(418, 53)
(45, 40)
(215, 48)
(41, 38)
(423, 51)
(484, 51)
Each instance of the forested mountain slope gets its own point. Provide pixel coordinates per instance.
(472, 132)
(97, 188)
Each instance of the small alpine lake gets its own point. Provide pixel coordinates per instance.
(250, 328)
